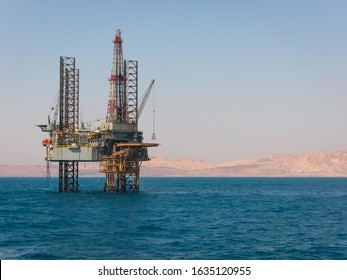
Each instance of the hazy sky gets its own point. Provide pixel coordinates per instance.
(234, 79)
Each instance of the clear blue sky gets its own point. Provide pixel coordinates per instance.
(234, 79)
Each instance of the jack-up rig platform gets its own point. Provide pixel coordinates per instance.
(117, 143)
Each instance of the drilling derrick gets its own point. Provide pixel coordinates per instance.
(117, 100)
(125, 150)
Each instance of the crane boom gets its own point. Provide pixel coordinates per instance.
(145, 98)
(56, 111)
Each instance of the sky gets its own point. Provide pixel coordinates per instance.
(234, 79)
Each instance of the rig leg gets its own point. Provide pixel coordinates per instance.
(68, 176)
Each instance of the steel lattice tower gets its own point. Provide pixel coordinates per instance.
(131, 89)
(116, 109)
(68, 121)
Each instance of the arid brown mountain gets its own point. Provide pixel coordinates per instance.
(332, 164)
(308, 164)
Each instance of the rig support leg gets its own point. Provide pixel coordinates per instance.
(68, 176)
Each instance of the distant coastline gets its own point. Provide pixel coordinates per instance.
(327, 164)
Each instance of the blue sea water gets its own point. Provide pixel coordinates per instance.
(176, 218)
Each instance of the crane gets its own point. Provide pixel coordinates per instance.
(55, 113)
(50, 126)
(145, 98)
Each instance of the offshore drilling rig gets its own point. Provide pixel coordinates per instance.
(117, 143)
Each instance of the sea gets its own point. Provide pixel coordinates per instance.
(175, 218)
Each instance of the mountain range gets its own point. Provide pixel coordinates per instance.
(327, 164)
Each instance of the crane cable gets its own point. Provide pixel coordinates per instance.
(153, 134)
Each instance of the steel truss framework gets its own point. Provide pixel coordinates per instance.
(116, 111)
(122, 168)
(68, 121)
(131, 68)
(68, 176)
(68, 100)
(122, 174)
